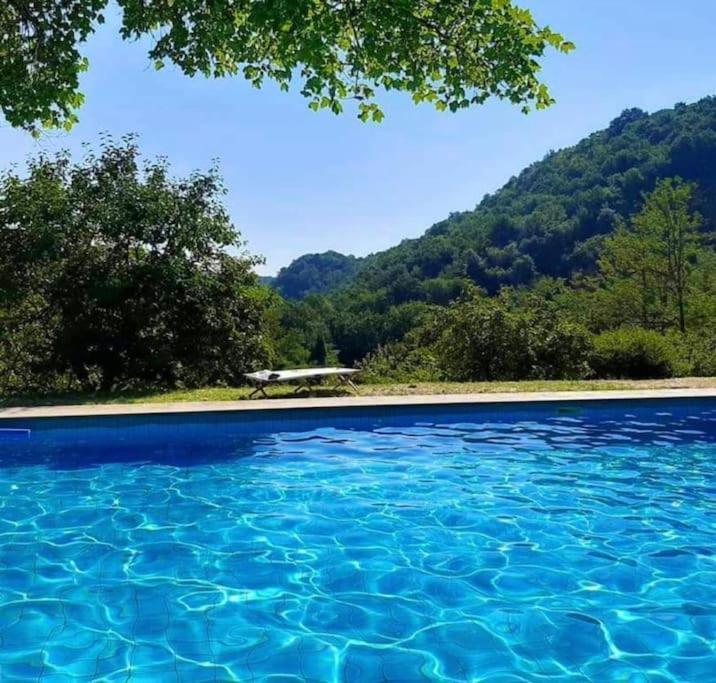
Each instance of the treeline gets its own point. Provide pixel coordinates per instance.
(648, 310)
(114, 275)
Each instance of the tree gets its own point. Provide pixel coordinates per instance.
(320, 351)
(124, 274)
(453, 53)
(655, 256)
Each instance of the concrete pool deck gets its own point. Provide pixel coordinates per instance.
(89, 410)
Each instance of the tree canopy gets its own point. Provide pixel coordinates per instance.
(315, 274)
(655, 260)
(114, 274)
(452, 53)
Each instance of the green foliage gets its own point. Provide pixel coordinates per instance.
(25, 348)
(112, 276)
(355, 330)
(552, 219)
(702, 356)
(652, 264)
(40, 62)
(597, 236)
(696, 352)
(319, 355)
(411, 359)
(452, 53)
(400, 362)
(491, 339)
(300, 333)
(634, 353)
(315, 274)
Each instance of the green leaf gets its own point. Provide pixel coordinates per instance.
(459, 52)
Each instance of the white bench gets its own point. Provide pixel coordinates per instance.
(303, 376)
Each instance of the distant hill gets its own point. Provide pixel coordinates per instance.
(315, 274)
(548, 220)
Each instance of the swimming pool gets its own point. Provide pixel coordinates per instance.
(560, 542)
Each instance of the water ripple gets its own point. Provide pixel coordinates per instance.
(464, 546)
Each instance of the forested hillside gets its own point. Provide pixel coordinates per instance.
(544, 234)
(549, 220)
(315, 274)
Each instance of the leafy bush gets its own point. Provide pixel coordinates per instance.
(697, 353)
(397, 362)
(487, 339)
(634, 353)
(704, 357)
(24, 350)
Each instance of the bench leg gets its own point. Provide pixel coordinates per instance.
(259, 389)
(345, 380)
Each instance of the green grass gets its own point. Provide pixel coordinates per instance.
(286, 391)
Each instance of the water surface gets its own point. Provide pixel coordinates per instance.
(469, 544)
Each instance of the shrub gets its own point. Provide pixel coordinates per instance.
(704, 357)
(487, 339)
(25, 349)
(397, 362)
(697, 353)
(634, 353)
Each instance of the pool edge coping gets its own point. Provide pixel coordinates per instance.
(98, 410)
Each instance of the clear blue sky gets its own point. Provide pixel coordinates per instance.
(302, 182)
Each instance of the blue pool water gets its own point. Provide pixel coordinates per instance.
(540, 543)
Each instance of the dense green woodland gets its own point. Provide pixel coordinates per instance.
(549, 220)
(597, 261)
(545, 230)
(315, 274)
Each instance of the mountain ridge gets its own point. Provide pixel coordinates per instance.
(548, 220)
